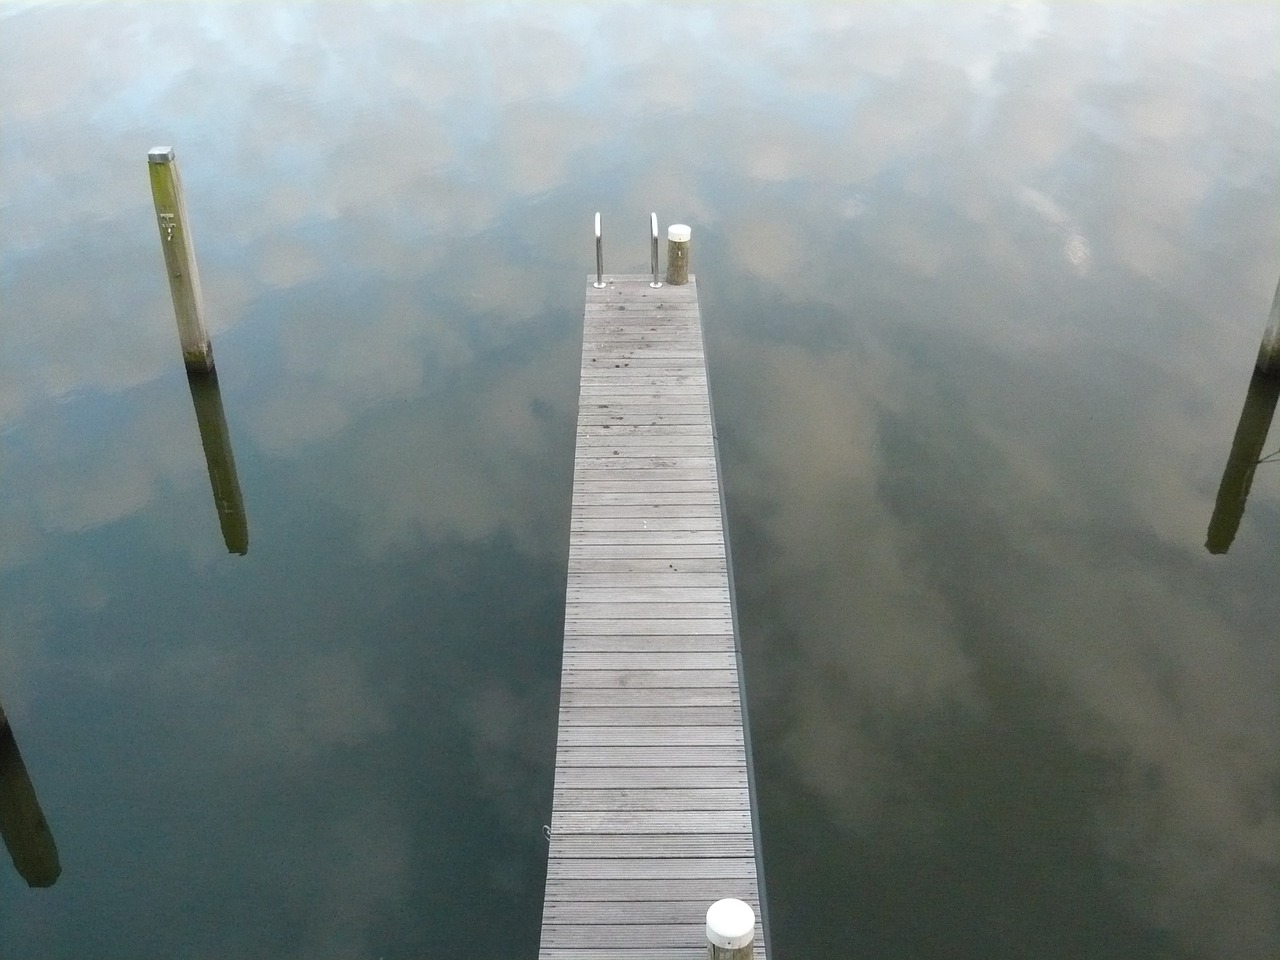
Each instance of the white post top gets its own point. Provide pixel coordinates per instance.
(160, 154)
(597, 226)
(731, 924)
(679, 233)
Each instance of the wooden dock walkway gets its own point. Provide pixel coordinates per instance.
(652, 818)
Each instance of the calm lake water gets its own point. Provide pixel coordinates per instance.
(983, 288)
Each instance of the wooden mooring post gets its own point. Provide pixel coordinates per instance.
(22, 824)
(179, 259)
(1242, 461)
(731, 930)
(678, 254)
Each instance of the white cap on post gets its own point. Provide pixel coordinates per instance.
(731, 924)
(679, 233)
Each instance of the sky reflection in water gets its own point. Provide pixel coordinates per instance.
(983, 288)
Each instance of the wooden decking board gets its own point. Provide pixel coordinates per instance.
(658, 846)
(625, 643)
(604, 490)
(601, 935)
(598, 566)
(631, 448)
(654, 594)
(640, 799)
(664, 778)
(589, 511)
(638, 627)
(631, 716)
(652, 815)
(648, 911)
(684, 522)
(669, 431)
(646, 679)
(587, 609)
(648, 697)
(639, 558)
(639, 822)
(721, 734)
(612, 493)
(605, 440)
(642, 410)
(649, 660)
(583, 581)
(651, 868)
(687, 477)
(647, 535)
(643, 889)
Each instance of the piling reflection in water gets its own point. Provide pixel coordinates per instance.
(216, 440)
(22, 823)
(1246, 453)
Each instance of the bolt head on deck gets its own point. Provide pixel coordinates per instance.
(731, 924)
(160, 155)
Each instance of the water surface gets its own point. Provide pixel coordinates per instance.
(983, 287)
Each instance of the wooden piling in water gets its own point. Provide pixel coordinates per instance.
(22, 824)
(1246, 452)
(1269, 350)
(179, 259)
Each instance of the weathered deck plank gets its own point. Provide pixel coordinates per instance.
(652, 814)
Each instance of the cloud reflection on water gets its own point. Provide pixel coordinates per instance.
(971, 487)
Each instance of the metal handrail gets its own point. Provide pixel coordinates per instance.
(653, 250)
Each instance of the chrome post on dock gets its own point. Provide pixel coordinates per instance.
(653, 249)
(599, 254)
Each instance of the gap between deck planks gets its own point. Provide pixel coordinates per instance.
(652, 812)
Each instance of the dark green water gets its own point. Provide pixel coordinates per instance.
(983, 288)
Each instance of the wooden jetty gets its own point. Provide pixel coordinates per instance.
(652, 819)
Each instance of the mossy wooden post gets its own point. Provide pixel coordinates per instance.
(179, 259)
(1269, 350)
(731, 930)
(678, 254)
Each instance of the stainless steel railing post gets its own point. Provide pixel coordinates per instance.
(599, 254)
(653, 256)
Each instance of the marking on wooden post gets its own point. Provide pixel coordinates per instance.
(678, 254)
(179, 259)
(731, 930)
